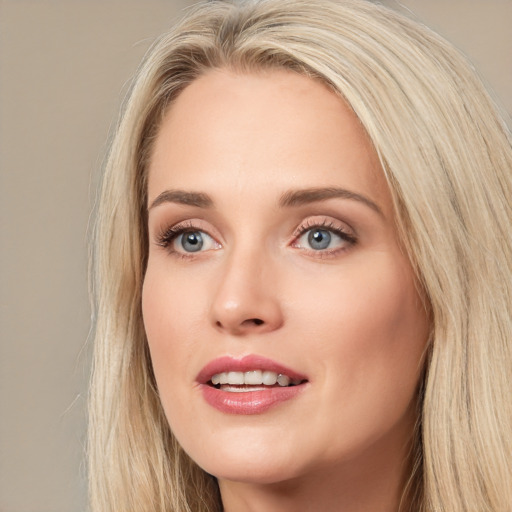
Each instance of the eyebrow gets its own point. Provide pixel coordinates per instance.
(312, 195)
(198, 199)
(289, 199)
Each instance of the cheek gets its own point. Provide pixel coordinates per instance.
(362, 310)
(172, 303)
(368, 330)
(172, 325)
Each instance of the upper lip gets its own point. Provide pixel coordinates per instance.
(245, 364)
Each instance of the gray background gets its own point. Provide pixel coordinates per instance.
(64, 69)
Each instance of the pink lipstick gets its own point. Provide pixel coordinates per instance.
(250, 385)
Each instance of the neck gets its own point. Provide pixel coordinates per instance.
(372, 482)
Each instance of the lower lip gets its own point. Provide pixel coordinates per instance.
(249, 402)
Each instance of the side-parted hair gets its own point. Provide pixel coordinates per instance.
(447, 157)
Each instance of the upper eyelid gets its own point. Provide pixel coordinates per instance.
(187, 224)
(167, 234)
(339, 228)
(327, 223)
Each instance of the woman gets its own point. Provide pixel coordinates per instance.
(303, 271)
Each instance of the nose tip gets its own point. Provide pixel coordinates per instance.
(243, 307)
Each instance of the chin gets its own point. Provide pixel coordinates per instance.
(244, 472)
(250, 460)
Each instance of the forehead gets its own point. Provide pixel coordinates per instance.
(269, 131)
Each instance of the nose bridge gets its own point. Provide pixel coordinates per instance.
(246, 298)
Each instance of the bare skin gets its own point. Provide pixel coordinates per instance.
(272, 233)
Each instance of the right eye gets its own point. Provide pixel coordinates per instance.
(186, 239)
(193, 241)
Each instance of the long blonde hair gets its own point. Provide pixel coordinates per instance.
(448, 161)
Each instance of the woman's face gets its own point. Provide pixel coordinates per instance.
(273, 253)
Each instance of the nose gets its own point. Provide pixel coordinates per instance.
(246, 299)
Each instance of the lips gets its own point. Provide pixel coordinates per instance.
(250, 385)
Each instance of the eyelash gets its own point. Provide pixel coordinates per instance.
(329, 226)
(167, 237)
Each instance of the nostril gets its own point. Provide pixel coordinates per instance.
(245, 325)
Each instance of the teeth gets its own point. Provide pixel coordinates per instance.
(255, 377)
(283, 380)
(236, 378)
(241, 389)
(269, 378)
(252, 378)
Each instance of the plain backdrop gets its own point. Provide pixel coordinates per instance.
(65, 67)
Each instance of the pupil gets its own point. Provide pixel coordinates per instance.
(319, 239)
(192, 242)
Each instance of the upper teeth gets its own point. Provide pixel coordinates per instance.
(254, 377)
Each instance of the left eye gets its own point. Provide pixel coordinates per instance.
(320, 239)
(193, 241)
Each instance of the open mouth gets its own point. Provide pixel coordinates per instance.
(249, 385)
(253, 380)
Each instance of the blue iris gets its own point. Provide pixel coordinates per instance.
(319, 239)
(192, 241)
